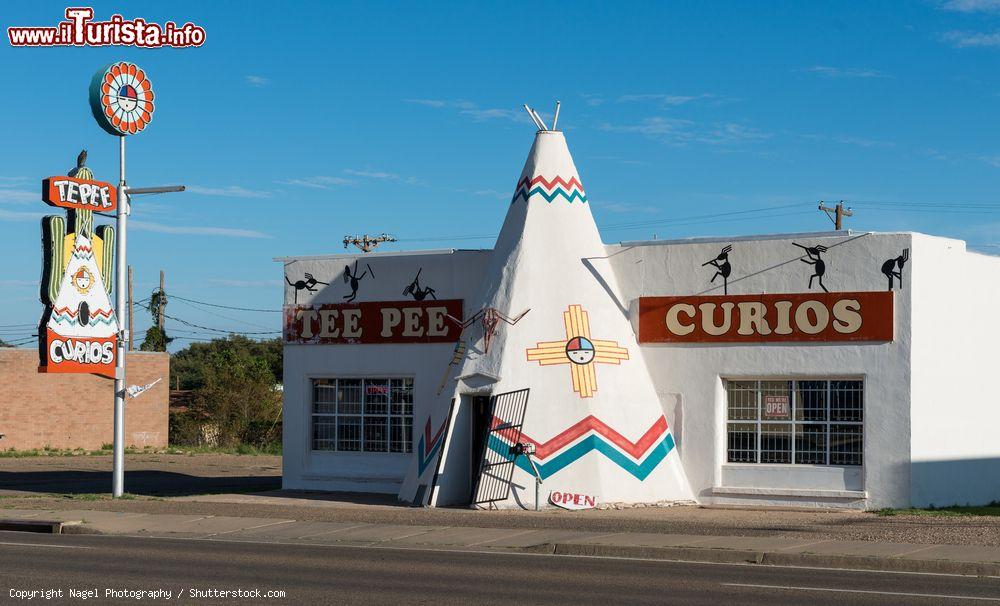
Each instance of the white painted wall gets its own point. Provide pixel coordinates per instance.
(950, 431)
(771, 265)
(956, 406)
(453, 274)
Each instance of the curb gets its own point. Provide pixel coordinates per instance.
(768, 558)
(38, 526)
(716, 555)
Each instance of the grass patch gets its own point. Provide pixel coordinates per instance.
(990, 509)
(95, 496)
(242, 449)
(106, 449)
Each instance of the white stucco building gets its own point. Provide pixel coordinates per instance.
(845, 369)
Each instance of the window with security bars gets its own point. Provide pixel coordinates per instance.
(806, 422)
(362, 415)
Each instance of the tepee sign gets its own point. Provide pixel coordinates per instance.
(78, 332)
(79, 194)
(81, 331)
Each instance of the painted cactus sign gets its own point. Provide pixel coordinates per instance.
(78, 332)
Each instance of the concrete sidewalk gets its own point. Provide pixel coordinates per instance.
(781, 551)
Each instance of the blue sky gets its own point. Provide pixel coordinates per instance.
(298, 123)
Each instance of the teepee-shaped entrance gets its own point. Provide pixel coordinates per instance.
(595, 420)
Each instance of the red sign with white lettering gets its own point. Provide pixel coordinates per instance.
(80, 194)
(834, 316)
(373, 322)
(777, 407)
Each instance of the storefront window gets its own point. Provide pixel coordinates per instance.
(808, 422)
(362, 415)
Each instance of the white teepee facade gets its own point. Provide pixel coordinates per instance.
(594, 416)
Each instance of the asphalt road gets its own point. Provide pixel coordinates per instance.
(366, 575)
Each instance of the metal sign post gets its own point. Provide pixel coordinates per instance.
(121, 99)
(118, 466)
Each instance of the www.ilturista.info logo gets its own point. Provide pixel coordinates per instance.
(80, 29)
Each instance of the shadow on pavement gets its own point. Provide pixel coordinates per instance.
(140, 482)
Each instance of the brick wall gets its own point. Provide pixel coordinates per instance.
(77, 411)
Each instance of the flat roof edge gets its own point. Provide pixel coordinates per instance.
(395, 253)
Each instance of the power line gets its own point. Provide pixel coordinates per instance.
(218, 315)
(931, 204)
(694, 217)
(731, 219)
(277, 311)
(688, 220)
(217, 330)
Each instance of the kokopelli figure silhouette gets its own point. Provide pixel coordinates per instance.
(354, 279)
(722, 266)
(813, 258)
(414, 290)
(309, 283)
(890, 271)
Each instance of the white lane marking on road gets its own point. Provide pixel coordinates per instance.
(47, 545)
(867, 591)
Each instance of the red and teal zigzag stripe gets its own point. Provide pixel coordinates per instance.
(550, 189)
(638, 458)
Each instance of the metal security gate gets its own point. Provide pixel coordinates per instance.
(497, 468)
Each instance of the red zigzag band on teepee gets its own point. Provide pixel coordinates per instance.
(636, 449)
(557, 180)
(65, 311)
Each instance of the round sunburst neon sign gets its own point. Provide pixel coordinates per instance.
(121, 99)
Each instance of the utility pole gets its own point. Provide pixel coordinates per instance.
(367, 243)
(839, 212)
(131, 309)
(160, 305)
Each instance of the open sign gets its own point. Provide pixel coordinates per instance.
(572, 500)
(777, 407)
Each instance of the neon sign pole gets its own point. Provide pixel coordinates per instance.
(118, 465)
(121, 99)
